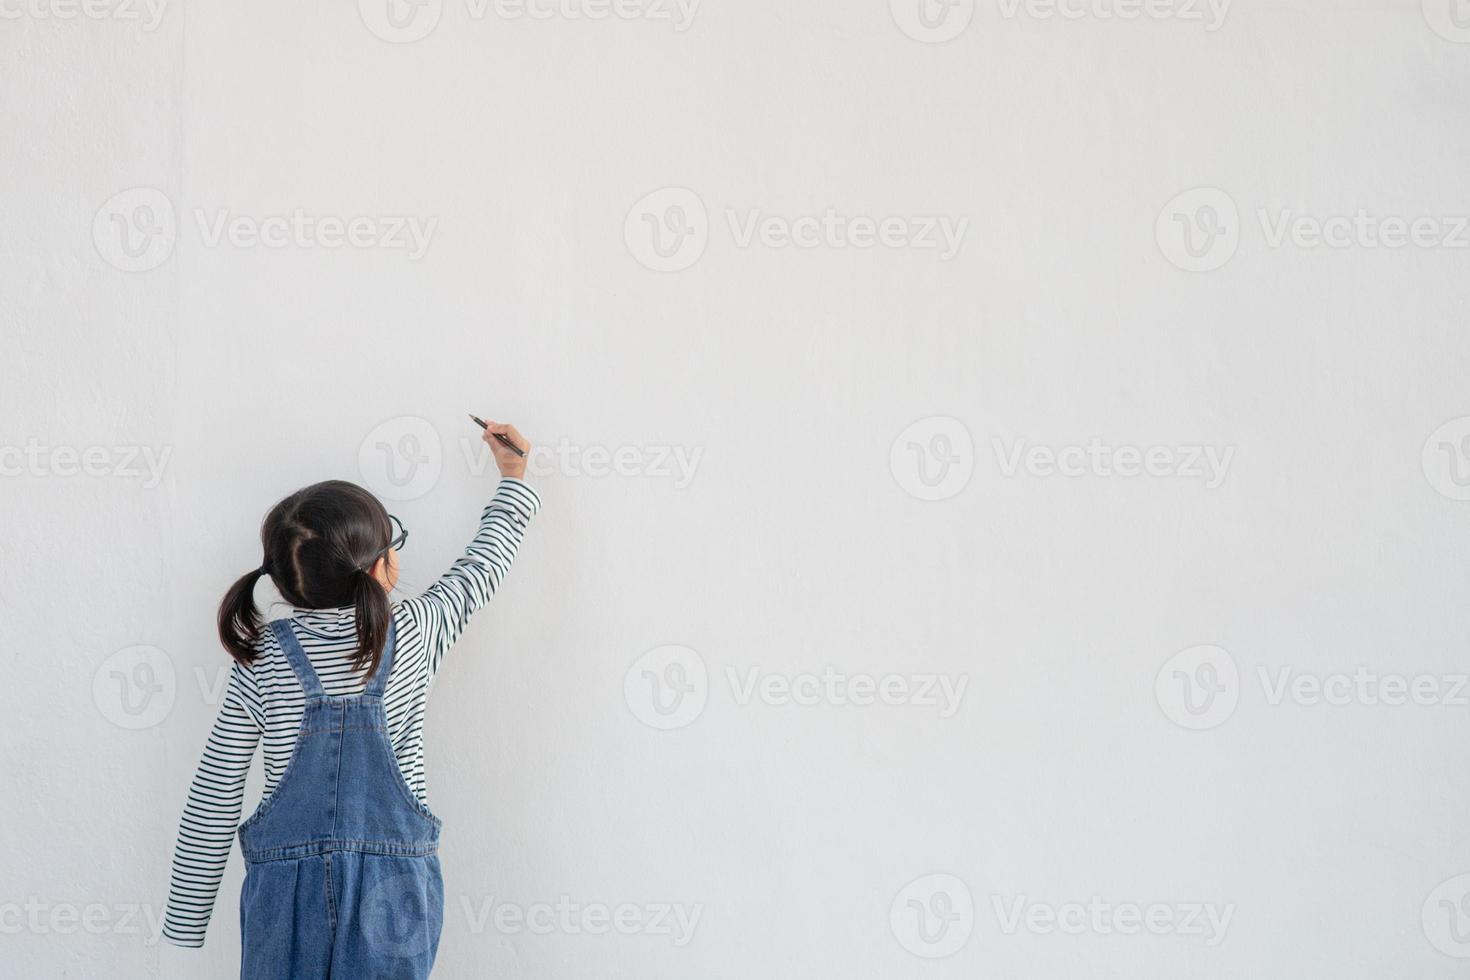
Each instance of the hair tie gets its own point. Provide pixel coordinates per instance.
(264, 569)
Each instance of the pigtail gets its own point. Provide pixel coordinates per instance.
(371, 602)
(239, 620)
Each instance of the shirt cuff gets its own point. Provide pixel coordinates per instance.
(190, 941)
(516, 495)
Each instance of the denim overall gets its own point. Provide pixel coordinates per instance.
(341, 861)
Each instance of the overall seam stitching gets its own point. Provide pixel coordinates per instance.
(331, 901)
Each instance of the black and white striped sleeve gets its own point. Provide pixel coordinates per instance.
(211, 815)
(443, 609)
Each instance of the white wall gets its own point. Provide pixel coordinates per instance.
(1329, 538)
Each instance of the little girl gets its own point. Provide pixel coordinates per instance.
(341, 857)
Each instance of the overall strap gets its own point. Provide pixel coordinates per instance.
(379, 682)
(296, 657)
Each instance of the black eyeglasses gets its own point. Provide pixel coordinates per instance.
(399, 534)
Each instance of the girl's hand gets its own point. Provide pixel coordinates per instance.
(509, 463)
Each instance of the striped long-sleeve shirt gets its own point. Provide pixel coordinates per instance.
(263, 702)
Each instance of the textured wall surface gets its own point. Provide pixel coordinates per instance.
(1005, 465)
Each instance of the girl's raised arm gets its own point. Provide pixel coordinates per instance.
(442, 611)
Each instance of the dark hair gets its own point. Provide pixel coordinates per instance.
(320, 546)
